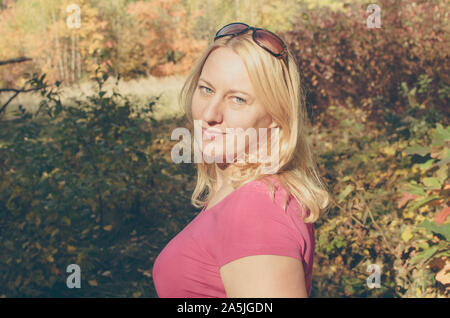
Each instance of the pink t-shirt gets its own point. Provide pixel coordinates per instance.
(244, 223)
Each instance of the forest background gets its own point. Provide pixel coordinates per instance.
(88, 101)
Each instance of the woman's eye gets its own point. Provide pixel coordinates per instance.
(208, 91)
(239, 100)
(204, 87)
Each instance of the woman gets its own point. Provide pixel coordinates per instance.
(255, 234)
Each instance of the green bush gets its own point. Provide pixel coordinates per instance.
(82, 184)
(391, 187)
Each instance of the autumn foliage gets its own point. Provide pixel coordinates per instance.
(344, 61)
(91, 182)
(138, 39)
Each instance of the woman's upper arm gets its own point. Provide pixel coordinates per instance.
(265, 276)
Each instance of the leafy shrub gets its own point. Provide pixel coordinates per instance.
(391, 186)
(82, 184)
(342, 60)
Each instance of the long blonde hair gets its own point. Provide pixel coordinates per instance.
(280, 89)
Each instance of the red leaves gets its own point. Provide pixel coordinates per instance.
(441, 216)
(381, 59)
(406, 197)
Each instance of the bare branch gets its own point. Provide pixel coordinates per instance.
(17, 60)
(17, 91)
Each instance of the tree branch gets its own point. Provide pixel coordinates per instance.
(16, 60)
(17, 91)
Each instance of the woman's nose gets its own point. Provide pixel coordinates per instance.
(213, 111)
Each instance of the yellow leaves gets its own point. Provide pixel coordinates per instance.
(92, 203)
(79, 154)
(415, 168)
(93, 282)
(137, 294)
(61, 184)
(408, 214)
(388, 150)
(146, 273)
(33, 218)
(46, 175)
(71, 248)
(81, 120)
(106, 273)
(66, 220)
(134, 157)
(18, 281)
(314, 80)
(419, 219)
(424, 209)
(406, 234)
(401, 172)
(348, 189)
(97, 138)
(50, 259)
(108, 228)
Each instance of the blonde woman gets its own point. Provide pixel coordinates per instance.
(255, 234)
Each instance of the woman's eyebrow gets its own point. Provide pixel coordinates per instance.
(229, 91)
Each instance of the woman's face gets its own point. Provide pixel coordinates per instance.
(225, 98)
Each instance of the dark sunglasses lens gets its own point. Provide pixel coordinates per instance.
(232, 29)
(269, 40)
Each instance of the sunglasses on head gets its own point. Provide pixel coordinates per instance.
(267, 40)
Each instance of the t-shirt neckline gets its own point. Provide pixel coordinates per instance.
(228, 196)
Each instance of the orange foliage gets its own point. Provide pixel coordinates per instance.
(165, 36)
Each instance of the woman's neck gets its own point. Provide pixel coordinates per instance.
(223, 173)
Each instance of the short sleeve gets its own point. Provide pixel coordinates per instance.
(252, 224)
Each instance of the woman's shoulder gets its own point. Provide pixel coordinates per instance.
(262, 184)
(260, 191)
(267, 185)
(267, 192)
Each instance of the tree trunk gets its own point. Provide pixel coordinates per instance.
(65, 61)
(58, 48)
(72, 71)
(78, 62)
(119, 42)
